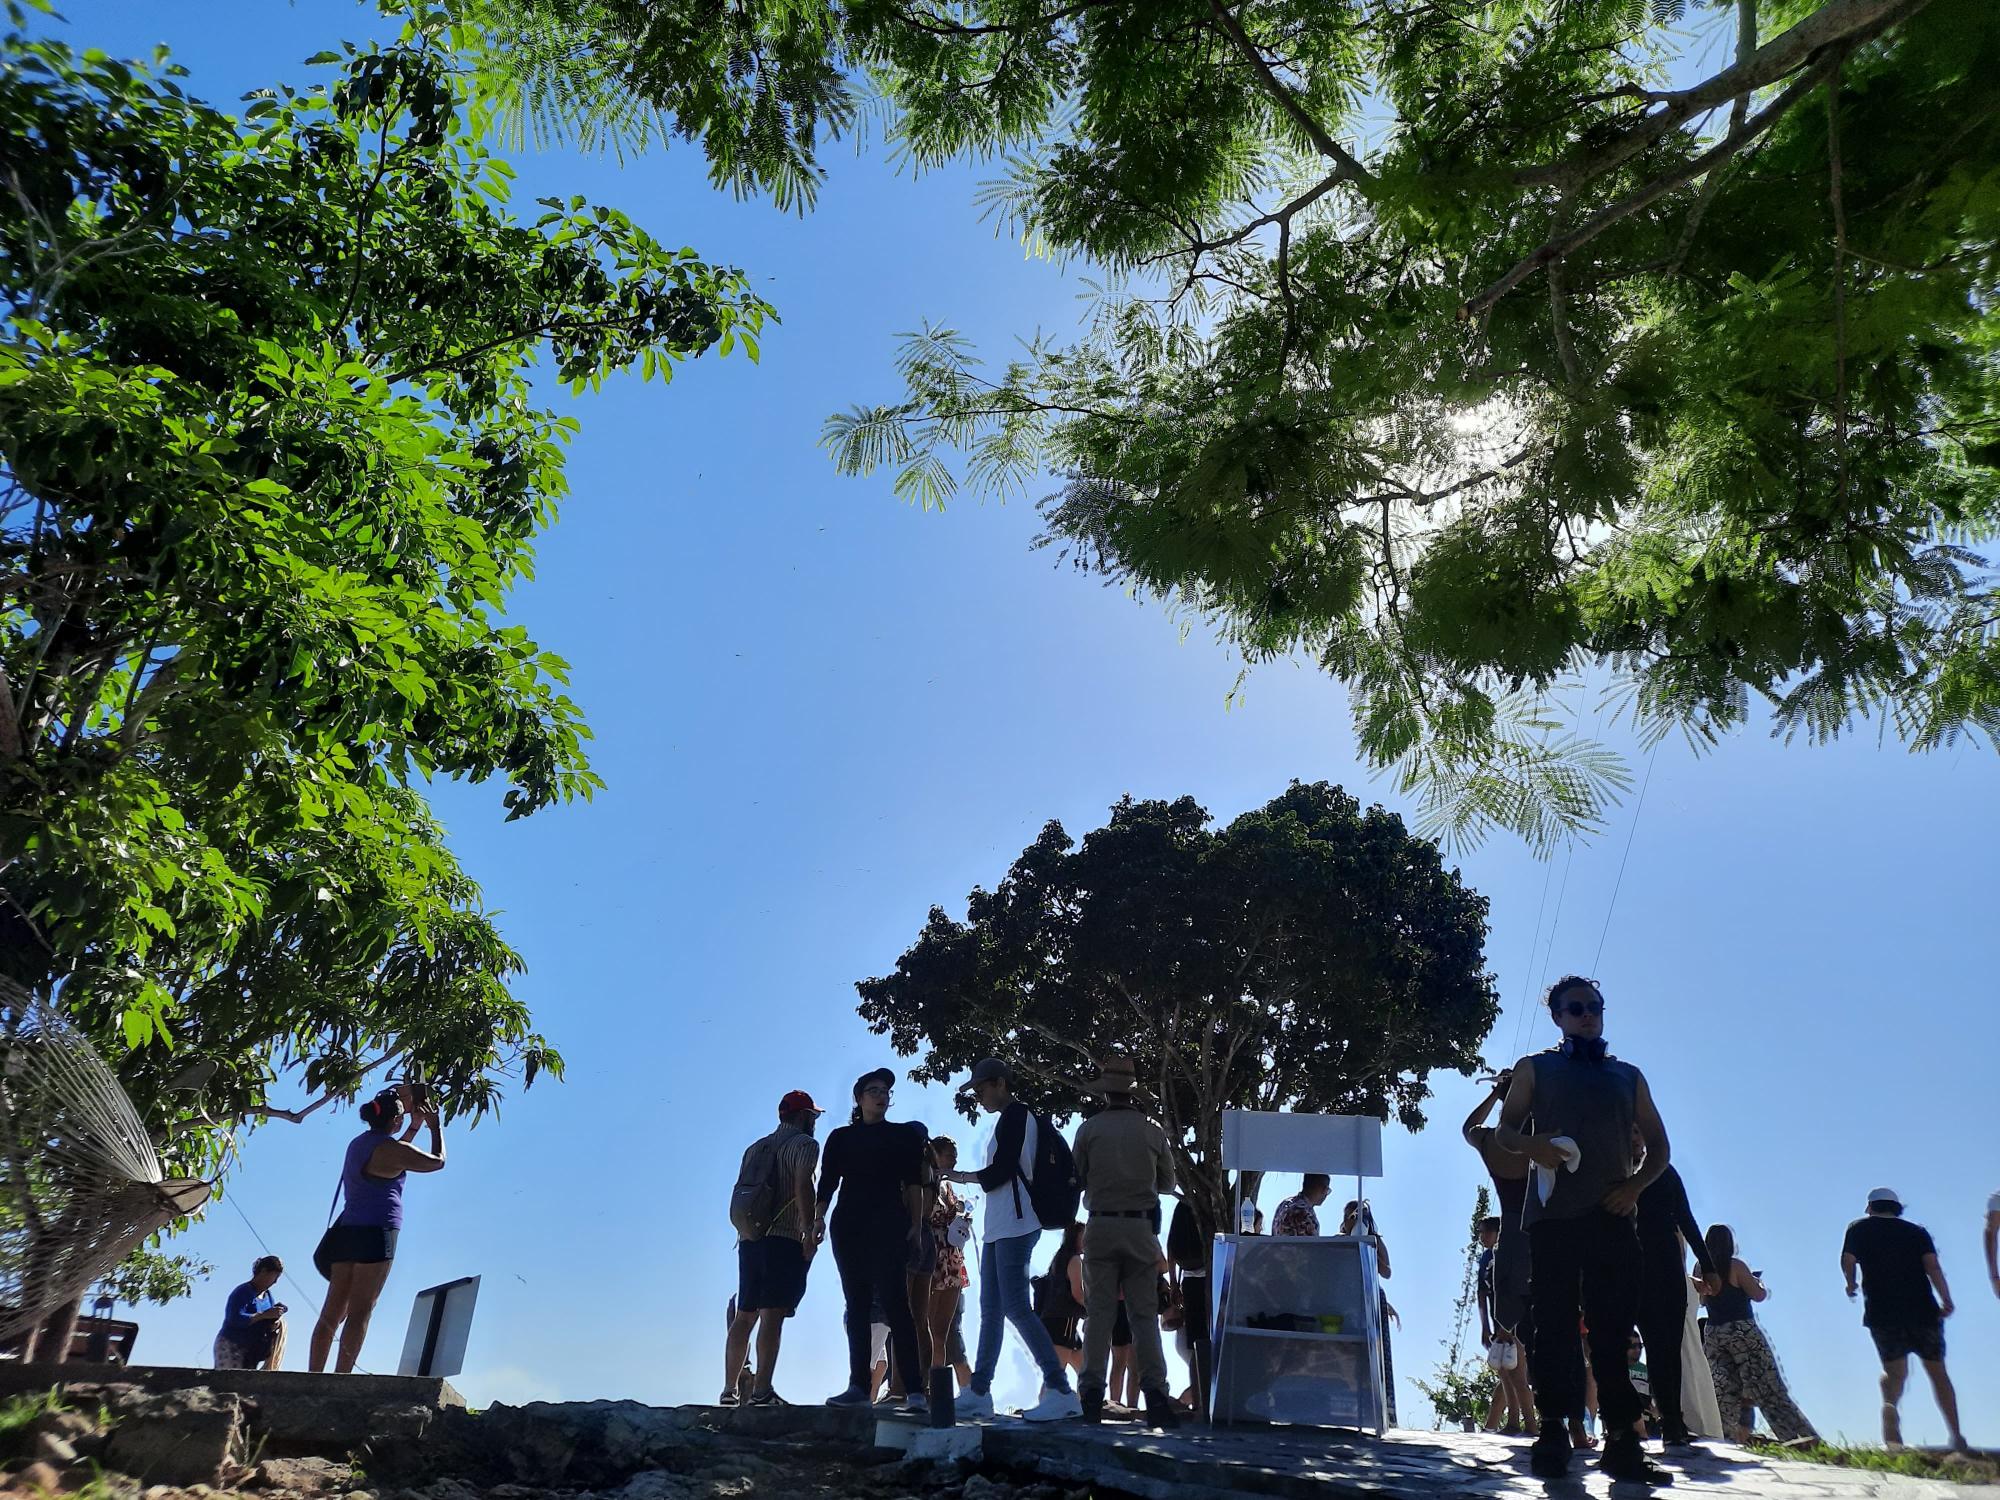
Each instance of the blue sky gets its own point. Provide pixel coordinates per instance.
(820, 711)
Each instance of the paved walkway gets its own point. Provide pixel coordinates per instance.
(1199, 1463)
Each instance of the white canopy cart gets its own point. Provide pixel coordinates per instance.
(1297, 1324)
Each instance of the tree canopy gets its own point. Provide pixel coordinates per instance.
(1308, 955)
(270, 463)
(1468, 348)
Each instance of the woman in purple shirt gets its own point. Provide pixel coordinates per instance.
(357, 1249)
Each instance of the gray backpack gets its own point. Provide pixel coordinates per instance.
(757, 1199)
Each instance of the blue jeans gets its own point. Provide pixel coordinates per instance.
(1004, 1294)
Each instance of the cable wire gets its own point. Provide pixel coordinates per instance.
(1631, 833)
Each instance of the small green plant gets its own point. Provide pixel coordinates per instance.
(20, 1413)
(1462, 1388)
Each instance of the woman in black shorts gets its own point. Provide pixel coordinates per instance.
(357, 1249)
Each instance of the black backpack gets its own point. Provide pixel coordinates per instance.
(1054, 1192)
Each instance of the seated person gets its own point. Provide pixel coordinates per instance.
(253, 1322)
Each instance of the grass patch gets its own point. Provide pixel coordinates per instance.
(18, 1414)
(1915, 1463)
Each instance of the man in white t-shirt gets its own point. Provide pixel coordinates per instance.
(1011, 1233)
(1993, 1243)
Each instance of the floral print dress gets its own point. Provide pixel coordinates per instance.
(951, 1274)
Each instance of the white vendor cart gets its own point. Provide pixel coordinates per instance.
(1297, 1322)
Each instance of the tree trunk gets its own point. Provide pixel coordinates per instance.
(50, 1343)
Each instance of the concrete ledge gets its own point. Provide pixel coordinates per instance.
(292, 1411)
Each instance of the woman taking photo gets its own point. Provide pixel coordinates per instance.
(1739, 1356)
(355, 1253)
(877, 1170)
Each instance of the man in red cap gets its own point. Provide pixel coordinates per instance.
(772, 1209)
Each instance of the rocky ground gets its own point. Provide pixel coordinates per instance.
(120, 1443)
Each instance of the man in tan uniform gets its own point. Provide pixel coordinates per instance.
(1125, 1164)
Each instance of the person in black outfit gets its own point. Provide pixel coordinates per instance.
(1187, 1251)
(1571, 1111)
(876, 1167)
(1905, 1301)
(1665, 1220)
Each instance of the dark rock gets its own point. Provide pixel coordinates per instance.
(37, 1479)
(301, 1476)
(184, 1438)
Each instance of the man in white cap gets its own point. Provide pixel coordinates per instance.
(1899, 1270)
(1126, 1166)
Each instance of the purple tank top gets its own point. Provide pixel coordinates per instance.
(376, 1202)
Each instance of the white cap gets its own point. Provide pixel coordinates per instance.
(1884, 1195)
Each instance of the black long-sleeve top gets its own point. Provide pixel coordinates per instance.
(1010, 1134)
(1663, 1210)
(869, 1166)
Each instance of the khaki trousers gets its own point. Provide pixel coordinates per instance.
(1122, 1255)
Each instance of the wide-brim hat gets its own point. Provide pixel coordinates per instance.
(1116, 1074)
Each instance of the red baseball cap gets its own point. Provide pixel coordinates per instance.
(795, 1101)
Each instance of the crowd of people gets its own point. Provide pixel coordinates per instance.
(1588, 1306)
(881, 1194)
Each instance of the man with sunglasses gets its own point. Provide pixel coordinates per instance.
(1572, 1111)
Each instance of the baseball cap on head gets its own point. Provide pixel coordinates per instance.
(1887, 1196)
(988, 1070)
(795, 1101)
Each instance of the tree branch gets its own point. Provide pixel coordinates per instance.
(1350, 168)
(1837, 21)
(1746, 45)
(1555, 249)
(1839, 268)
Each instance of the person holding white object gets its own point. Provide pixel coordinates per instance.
(1582, 1224)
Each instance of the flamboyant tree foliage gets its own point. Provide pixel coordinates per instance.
(1309, 955)
(1469, 348)
(269, 466)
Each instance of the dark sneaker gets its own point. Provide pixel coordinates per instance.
(1162, 1411)
(1624, 1459)
(727, 1398)
(1548, 1457)
(766, 1398)
(851, 1398)
(1677, 1437)
(1092, 1400)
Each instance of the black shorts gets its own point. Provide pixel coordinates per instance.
(357, 1244)
(923, 1253)
(770, 1275)
(1901, 1339)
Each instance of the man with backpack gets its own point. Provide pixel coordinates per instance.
(1029, 1181)
(772, 1210)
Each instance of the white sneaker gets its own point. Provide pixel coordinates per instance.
(1054, 1406)
(970, 1406)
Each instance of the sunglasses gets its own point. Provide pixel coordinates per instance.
(875, 1090)
(1583, 1008)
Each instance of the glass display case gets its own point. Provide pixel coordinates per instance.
(1297, 1332)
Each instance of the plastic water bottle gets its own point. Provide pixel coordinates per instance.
(1248, 1219)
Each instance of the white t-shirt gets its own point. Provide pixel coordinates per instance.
(1002, 1220)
